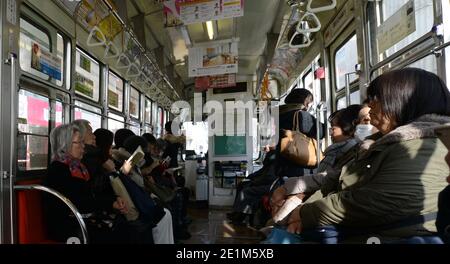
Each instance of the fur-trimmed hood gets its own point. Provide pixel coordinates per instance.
(423, 127)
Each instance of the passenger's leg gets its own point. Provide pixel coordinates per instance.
(163, 232)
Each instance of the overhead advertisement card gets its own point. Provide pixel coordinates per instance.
(216, 59)
(44, 61)
(179, 12)
(213, 82)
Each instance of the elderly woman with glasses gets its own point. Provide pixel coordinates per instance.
(390, 189)
(67, 175)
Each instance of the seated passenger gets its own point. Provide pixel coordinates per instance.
(390, 190)
(443, 217)
(120, 136)
(150, 212)
(67, 175)
(343, 126)
(250, 192)
(364, 129)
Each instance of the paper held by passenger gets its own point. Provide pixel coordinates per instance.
(289, 205)
(136, 157)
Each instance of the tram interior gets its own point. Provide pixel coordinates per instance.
(138, 64)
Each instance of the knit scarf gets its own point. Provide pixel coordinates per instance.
(77, 169)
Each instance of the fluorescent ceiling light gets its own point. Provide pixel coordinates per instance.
(210, 29)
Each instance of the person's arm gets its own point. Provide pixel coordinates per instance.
(394, 186)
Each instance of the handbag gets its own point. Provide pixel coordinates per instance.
(299, 148)
(121, 191)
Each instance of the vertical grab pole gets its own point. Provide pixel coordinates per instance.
(347, 88)
(13, 60)
(320, 108)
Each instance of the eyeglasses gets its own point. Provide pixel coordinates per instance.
(78, 142)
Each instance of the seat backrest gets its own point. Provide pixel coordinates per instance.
(30, 216)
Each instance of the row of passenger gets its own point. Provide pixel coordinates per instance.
(388, 185)
(121, 200)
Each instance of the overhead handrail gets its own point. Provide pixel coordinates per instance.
(321, 107)
(300, 46)
(64, 199)
(309, 30)
(321, 8)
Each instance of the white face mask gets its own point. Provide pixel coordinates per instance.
(363, 131)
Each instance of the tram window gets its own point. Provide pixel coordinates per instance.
(385, 12)
(159, 122)
(115, 92)
(60, 54)
(33, 42)
(308, 81)
(341, 103)
(428, 63)
(34, 113)
(148, 129)
(59, 114)
(135, 105)
(148, 111)
(355, 97)
(135, 128)
(87, 76)
(68, 65)
(89, 113)
(32, 152)
(156, 125)
(345, 60)
(196, 136)
(115, 122)
(33, 119)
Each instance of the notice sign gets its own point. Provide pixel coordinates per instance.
(397, 27)
(44, 61)
(213, 60)
(178, 12)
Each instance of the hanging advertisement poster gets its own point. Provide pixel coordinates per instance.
(217, 81)
(44, 61)
(179, 12)
(213, 60)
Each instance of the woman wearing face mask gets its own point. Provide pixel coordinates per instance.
(390, 190)
(364, 129)
(342, 133)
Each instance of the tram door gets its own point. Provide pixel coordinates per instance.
(9, 10)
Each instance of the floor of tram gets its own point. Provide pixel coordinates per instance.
(210, 226)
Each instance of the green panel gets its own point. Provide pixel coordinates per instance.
(230, 145)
